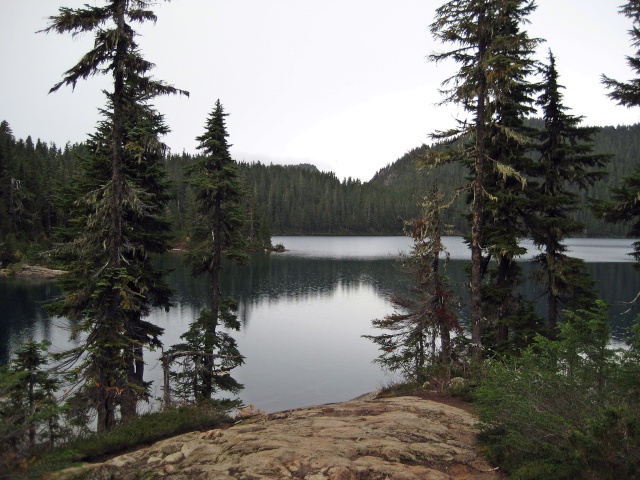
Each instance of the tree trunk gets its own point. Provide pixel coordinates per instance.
(504, 309)
(135, 378)
(115, 202)
(115, 233)
(553, 298)
(32, 412)
(216, 297)
(478, 200)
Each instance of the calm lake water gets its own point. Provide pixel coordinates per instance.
(303, 311)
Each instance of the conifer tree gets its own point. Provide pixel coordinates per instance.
(111, 287)
(427, 315)
(493, 54)
(625, 204)
(6, 147)
(113, 348)
(29, 409)
(566, 165)
(510, 318)
(627, 93)
(214, 179)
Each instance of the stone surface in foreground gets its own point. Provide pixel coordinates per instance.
(402, 438)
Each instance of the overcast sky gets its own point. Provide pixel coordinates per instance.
(342, 84)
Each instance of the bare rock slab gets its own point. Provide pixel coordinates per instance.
(402, 438)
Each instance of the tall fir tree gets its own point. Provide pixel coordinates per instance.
(215, 180)
(510, 318)
(493, 54)
(565, 166)
(111, 286)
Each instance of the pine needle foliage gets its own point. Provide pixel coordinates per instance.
(627, 93)
(30, 413)
(566, 408)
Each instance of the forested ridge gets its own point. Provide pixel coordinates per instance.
(281, 199)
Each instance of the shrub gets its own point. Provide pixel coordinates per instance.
(565, 408)
(139, 431)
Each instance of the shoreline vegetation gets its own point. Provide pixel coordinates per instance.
(40, 272)
(22, 270)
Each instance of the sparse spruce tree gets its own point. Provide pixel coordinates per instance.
(427, 315)
(214, 179)
(111, 286)
(566, 165)
(494, 57)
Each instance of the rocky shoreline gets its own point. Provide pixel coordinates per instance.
(400, 438)
(31, 271)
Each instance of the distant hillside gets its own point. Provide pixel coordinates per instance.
(622, 141)
(293, 200)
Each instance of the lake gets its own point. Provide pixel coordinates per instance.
(303, 311)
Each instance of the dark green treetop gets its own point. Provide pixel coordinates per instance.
(218, 191)
(566, 165)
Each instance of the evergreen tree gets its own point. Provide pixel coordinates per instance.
(566, 165)
(140, 286)
(29, 409)
(510, 317)
(427, 315)
(494, 55)
(6, 148)
(214, 179)
(627, 93)
(111, 287)
(625, 204)
(566, 408)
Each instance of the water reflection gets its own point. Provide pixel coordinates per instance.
(21, 314)
(303, 321)
(303, 312)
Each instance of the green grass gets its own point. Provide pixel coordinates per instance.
(141, 431)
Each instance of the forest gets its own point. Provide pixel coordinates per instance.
(555, 400)
(280, 199)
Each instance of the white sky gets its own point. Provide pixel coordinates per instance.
(342, 84)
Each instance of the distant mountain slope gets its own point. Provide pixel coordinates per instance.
(622, 141)
(293, 199)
